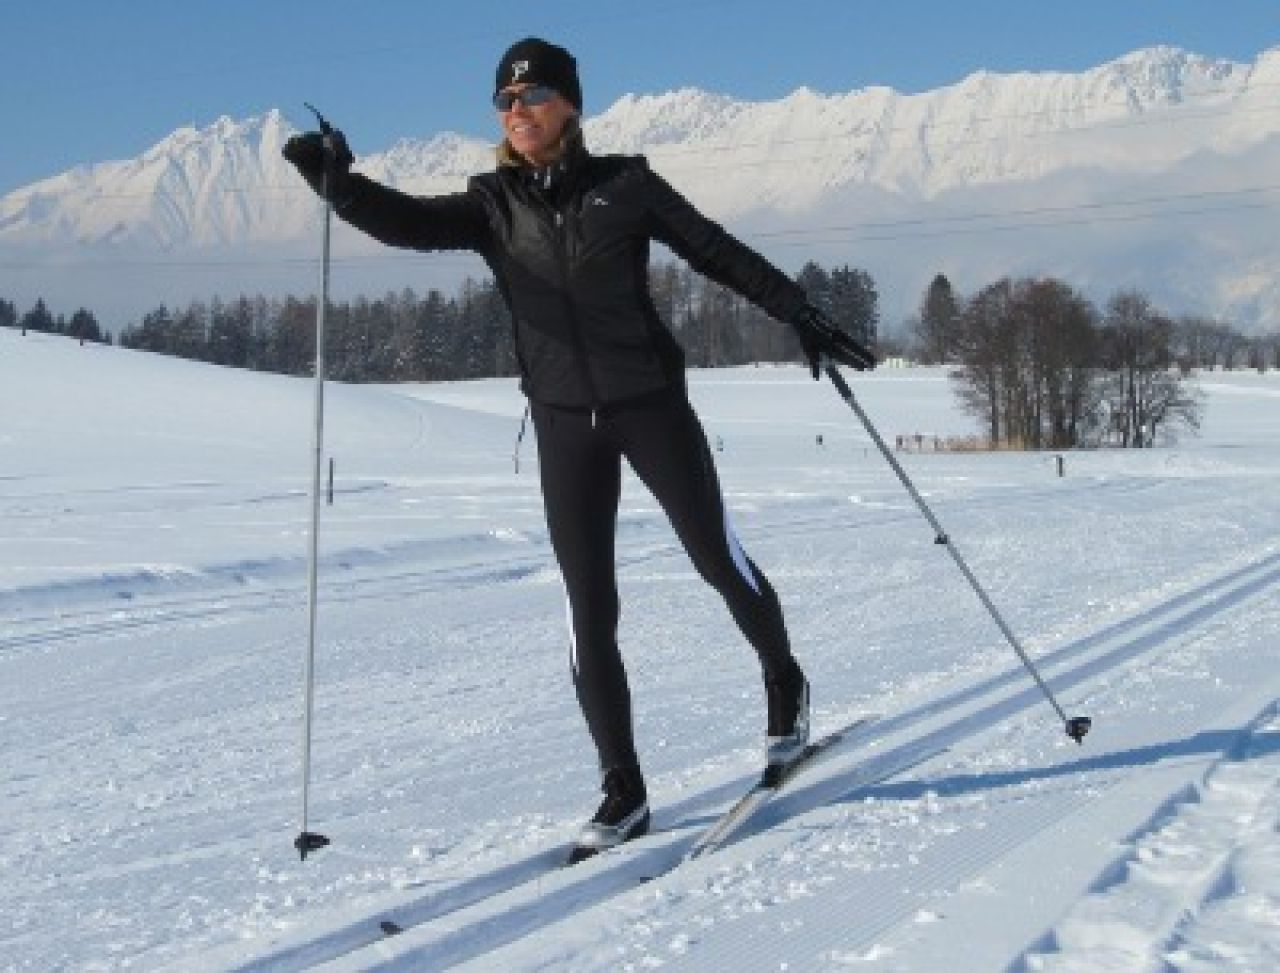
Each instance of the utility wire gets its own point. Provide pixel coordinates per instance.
(1037, 217)
(1225, 194)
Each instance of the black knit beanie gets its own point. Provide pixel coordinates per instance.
(537, 61)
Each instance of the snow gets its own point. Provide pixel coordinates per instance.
(153, 520)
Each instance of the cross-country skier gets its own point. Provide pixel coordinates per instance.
(567, 236)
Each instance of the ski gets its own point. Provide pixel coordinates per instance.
(642, 860)
(773, 778)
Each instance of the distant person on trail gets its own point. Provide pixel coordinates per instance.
(567, 236)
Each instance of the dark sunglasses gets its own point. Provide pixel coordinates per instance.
(536, 95)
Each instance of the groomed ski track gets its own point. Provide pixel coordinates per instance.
(524, 915)
(152, 613)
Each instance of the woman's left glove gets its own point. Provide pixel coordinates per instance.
(820, 337)
(308, 154)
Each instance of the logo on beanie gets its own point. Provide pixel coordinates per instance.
(536, 61)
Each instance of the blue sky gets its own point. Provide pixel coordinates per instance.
(91, 81)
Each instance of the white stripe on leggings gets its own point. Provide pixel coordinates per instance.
(573, 635)
(738, 554)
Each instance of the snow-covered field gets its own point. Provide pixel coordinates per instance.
(153, 519)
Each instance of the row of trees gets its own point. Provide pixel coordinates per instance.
(399, 337)
(1036, 361)
(1197, 343)
(409, 337)
(1042, 367)
(82, 324)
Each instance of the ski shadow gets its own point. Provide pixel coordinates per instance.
(1133, 635)
(1215, 743)
(1137, 634)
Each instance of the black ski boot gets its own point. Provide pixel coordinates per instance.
(623, 814)
(788, 696)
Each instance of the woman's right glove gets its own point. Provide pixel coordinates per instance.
(820, 337)
(309, 154)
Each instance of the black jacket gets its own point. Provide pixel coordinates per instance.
(569, 249)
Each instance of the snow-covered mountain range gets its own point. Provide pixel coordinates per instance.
(1156, 171)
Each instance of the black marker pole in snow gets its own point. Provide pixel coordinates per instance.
(308, 841)
(1076, 726)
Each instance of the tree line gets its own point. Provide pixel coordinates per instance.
(407, 336)
(1034, 360)
(82, 324)
(1042, 367)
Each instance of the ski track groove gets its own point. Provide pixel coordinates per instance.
(472, 919)
(336, 591)
(1170, 916)
(938, 869)
(1036, 813)
(148, 611)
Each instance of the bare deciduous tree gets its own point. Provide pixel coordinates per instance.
(986, 352)
(1147, 395)
(1040, 369)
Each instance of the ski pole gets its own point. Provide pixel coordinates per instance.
(1076, 726)
(308, 840)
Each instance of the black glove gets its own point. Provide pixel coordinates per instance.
(309, 154)
(820, 337)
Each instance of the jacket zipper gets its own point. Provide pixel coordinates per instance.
(575, 326)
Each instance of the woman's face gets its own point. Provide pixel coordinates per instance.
(534, 130)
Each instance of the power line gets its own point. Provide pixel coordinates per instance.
(924, 233)
(993, 221)
(1030, 211)
(228, 263)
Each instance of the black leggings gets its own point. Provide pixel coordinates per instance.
(580, 456)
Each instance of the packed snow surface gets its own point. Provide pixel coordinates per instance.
(153, 524)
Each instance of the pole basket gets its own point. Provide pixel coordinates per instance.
(1077, 727)
(309, 841)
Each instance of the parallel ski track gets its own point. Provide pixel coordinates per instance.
(1192, 896)
(492, 910)
(128, 615)
(151, 611)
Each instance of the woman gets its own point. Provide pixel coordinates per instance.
(567, 237)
